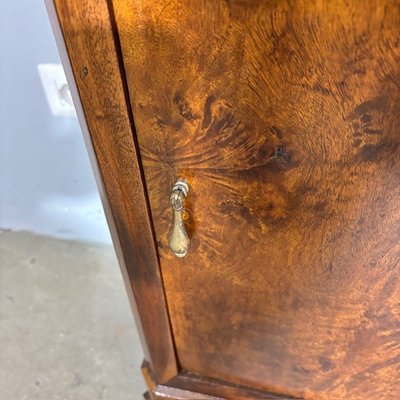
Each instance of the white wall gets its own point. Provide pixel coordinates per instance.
(46, 183)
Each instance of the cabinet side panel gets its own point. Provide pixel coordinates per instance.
(87, 46)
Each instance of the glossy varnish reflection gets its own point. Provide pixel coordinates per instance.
(284, 117)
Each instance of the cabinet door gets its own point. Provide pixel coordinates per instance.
(283, 116)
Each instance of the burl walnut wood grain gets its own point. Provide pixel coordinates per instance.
(284, 117)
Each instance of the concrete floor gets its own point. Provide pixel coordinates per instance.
(66, 329)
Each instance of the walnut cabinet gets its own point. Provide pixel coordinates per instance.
(280, 119)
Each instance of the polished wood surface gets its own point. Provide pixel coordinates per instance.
(85, 32)
(89, 50)
(284, 117)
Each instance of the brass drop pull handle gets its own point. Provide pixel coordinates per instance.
(179, 241)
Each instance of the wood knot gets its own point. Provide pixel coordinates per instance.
(281, 154)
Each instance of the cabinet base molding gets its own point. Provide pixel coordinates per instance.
(157, 391)
(188, 386)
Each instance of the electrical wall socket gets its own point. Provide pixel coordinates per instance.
(57, 91)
